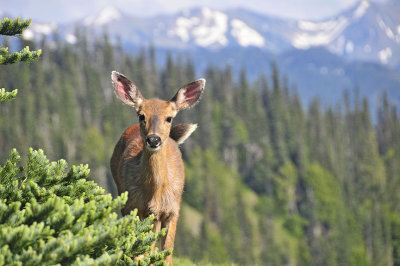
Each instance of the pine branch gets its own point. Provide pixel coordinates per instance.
(42, 224)
(7, 96)
(12, 27)
(25, 55)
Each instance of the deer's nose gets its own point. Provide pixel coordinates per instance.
(153, 141)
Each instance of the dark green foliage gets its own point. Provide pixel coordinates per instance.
(52, 215)
(25, 55)
(268, 180)
(12, 27)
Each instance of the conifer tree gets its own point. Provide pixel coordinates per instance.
(10, 27)
(50, 215)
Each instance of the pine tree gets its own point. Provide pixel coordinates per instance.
(51, 215)
(11, 27)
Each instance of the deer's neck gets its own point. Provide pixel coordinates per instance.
(154, 168)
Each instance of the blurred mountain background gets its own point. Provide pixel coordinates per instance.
(296, 158)
(358, 47)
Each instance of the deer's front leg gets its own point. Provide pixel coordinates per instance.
(156, 229)
(167, 242)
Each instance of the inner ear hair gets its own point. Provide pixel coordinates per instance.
(189, 95)
(126, 90)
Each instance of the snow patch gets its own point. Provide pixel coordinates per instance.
(385, 28)
(305, 40)
(44, 29)
(361, 9)
(385, 55)
(71, 38)
(317, 26)
(398, 34)
(183, 25)
(208, 29)
(390, 34)
(28, 35)
(105, 16)
(213, 28)
(40, 29)
(245, 35)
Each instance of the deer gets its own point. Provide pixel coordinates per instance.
(147, 161)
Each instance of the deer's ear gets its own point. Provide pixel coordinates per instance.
(189, 95)
(181, 132)
(126, 90)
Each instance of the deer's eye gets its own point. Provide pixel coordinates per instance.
(169, 119)
(141, 118)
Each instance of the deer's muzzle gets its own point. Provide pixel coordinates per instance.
(153, 141)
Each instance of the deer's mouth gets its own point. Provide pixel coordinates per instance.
(153, 148)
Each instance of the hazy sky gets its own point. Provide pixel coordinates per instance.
(67, 10)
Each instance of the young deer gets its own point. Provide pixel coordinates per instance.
(146, 161)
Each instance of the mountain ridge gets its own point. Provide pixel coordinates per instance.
(367, 31)
(362, 42)
(358, 33)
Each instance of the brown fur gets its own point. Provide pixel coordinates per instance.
(154, 178)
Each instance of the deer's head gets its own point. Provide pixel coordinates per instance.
(155, 115)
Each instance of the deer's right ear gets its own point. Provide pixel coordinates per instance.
(126, 90)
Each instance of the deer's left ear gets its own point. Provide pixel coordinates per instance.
(189, 95)
(181, 132)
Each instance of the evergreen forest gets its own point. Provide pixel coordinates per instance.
(269, 180)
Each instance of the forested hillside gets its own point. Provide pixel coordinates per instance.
(268, 180)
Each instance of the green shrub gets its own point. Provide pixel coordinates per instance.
(49, 215)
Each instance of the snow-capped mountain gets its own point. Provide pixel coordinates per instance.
(107, 15)
(199, 27)
(369, 31)
(211, 28)
(358, 47)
